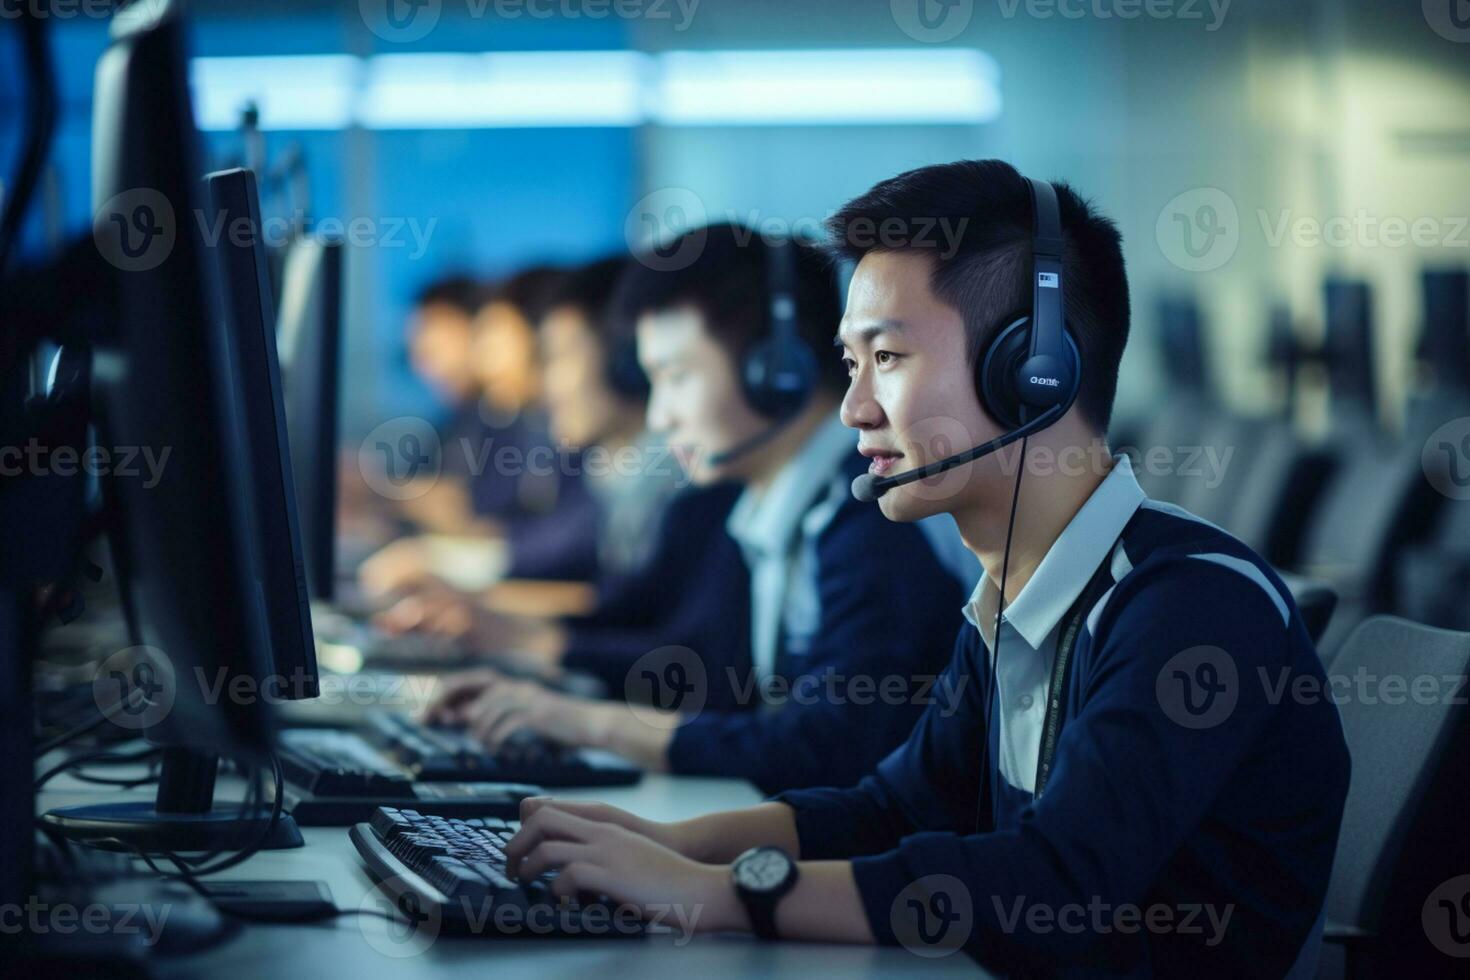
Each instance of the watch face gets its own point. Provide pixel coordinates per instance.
(762, 871)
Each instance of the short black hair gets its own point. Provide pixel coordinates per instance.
(459, 291)
(529, 289)
(975, 218)
(723, 270)
(590, 288)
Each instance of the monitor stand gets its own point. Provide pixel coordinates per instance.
(181, 818)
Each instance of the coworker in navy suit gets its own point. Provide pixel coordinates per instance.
(849, 614)
(1121, 789)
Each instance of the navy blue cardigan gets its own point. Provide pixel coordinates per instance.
(888, 607)
(694, 592)
(1228, 806)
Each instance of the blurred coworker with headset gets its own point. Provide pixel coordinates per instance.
(736, 339)
(654, 531)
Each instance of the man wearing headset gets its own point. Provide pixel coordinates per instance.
(1124, 789)
(843, 653)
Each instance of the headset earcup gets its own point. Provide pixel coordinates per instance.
(996, 372)
(995, 378)
(778, 378)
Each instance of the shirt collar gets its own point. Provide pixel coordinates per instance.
(1068, 564)
(765, 523)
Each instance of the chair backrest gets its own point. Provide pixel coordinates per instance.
(1280, 487)
(1434, 578)
(1221, 459)
(1377, 503)
(1314, 599)
(1402, 834)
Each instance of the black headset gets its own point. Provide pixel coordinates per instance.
(1032, 364)
(778, 373)
(1031, 372)
(623, 373)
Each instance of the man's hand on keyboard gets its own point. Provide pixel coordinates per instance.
(493, 707)
(400, 566)
(606, 857)
(667, 834)
(439, 611)
(526, 643)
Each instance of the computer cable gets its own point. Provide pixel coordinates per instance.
(1000, 605)
(134, 697)
(153, 754)
(108, 755)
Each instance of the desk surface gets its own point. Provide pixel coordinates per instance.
(366, 947)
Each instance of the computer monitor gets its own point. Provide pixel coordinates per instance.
(184, 543)
(1349, 347)
(310, 332)
(248, 316)
(1182, 340)
(1444, 338)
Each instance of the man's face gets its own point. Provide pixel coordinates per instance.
(504, 356)
(574, 378)
(912, 394)
(439, 347)
(696, 404)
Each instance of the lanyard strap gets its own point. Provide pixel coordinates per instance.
(1051, 726)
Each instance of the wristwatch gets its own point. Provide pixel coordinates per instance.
(762, 876)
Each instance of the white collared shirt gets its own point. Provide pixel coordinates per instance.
(1031, 625)
(777, 531)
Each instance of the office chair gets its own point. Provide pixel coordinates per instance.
(1178, 423)
(1376, 504)
(1314, 599)
(1402, 834)
(1434, 577)
(1212, 486)
(1281, 481)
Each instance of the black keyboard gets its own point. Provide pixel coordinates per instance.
(332, 763)
(388, 651)
(454, 871)
(433, 753)
(336, 779)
